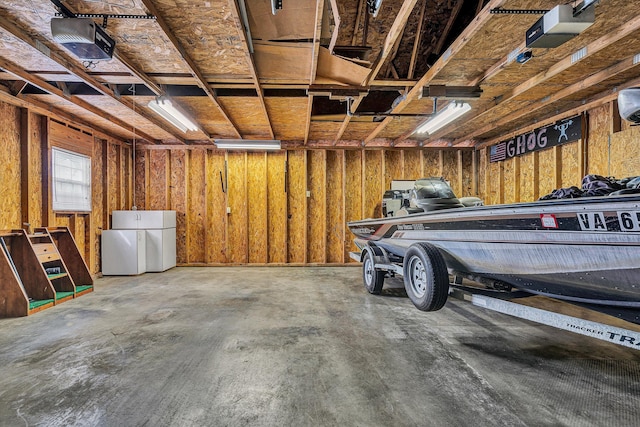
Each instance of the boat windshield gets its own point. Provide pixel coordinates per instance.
(433, 189)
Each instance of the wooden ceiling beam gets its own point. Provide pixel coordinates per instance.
(578, 107)
(564, 64)
(252, 65)
(146, 80)
(395, 32)
(498, 67)
(24, 101)
(457, 45)
(389, 50)
(445, 33)
(594, 79)
(361, 8)
(197, 74)
(353, 107)
(317, 32)
(53, 90)
(82, 75)
(416, 42)
(17, 87)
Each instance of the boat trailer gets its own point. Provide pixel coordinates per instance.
(379, 264)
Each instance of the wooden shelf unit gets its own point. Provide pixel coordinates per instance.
(52, 265)
(24, 288)
(40, 270)
(75, 264)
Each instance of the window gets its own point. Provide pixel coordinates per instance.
(71, 181)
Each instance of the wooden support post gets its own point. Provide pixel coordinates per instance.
(459, 178)
(474, 173)
(616, 120)
(557, 166)
(46, 172)
(25, 167)
(501, 182)
(516, 179)
(536, 175)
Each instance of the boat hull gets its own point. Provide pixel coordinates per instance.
(582, 250)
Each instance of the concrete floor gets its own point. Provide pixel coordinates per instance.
(299, 347)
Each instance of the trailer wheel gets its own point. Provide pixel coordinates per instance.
(426, 279)
(373, 279)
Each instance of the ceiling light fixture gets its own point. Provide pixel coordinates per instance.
(165, 108)
(450, 113)
(247, 144)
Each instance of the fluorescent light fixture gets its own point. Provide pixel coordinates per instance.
(165, 108)
(247, 144)
(450, 113)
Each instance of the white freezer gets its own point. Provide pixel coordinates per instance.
(123, 252)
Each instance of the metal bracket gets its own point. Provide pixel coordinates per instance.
(500, 11)
(104, 16)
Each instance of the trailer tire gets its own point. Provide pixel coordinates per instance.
(373, 279)
(426, 279)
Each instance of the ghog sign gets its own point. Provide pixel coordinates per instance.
(560, 132)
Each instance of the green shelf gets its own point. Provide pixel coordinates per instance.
(40, 303)
(83, 288)
(62, 295)
(56, 276)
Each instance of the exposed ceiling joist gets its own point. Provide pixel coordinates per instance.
(388, 50)
(356, 23)
(577, 108)
(496, 68)
(392, 37)
(416, 42)
(564, 64)
(315, 52)
(252, 66)
(46, 110)
(53, 90)
(352, 108)
(621, 67)
(190, 63)
(50, 51)
(281, 86)
(447, 29)
(155, 88)
(457, 45)
(17, 87)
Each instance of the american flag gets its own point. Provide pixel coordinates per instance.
(498, 152)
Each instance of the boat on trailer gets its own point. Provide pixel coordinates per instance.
(585, 251)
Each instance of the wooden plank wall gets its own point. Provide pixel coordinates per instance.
(277, 208)
(607, 149)
(25, 142)
(289, 207)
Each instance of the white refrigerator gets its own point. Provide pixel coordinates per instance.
(159, 228)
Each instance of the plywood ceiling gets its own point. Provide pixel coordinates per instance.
(287, 76)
